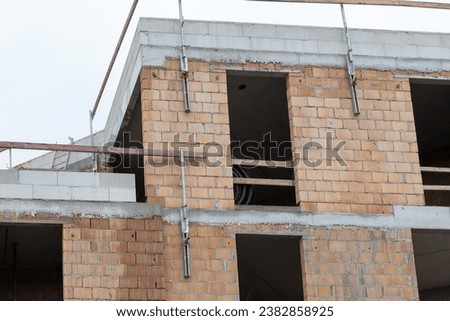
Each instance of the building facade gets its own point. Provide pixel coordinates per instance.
(291, 195)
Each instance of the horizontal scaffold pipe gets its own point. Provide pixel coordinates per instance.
(97, 149)
(391, 3)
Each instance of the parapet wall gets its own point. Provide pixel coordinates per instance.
(74, 186)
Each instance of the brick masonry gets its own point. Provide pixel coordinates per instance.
(141, 259)
(113, 259)
(164, 118)
(359, 264)
(381, 155)
(338, 263)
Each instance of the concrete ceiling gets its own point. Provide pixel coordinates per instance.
(432, 257)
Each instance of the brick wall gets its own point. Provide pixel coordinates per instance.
(113, 259)
(213, 263)
(164, 118)
(141, 259)
(381, 157)
(359, 264)
(338, 263)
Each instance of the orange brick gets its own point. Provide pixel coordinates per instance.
(119, 246)
(82, 293)
(135, 224)
(99, 223)
(126, 235)
(89, 234)
(71, 234)
(128, 282)
(121, 294)
(109, 282)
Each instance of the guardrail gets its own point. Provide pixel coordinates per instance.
(439, 170)
(262, 181)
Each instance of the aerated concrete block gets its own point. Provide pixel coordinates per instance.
(16, 191)
(76, 179)
(38, 177)
(52, 192)
(9, 177)
(90, 194)
(122, 194)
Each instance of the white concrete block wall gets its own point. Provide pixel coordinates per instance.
(155, 39)
(229, 39)
(74, 186)
(38, 178)
(16, 191)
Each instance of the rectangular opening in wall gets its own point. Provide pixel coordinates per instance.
(431, 105)
(269, 267)
(130, 136)
(432, 258)
(260, 136)
(30, 262)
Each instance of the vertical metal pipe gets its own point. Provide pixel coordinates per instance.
(94, 155)
(184, 220)
(184, 60)
(183, 57)
(344, 20)
(350, 65)
(10, 158)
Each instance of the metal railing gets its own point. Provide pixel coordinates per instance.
(436, 170)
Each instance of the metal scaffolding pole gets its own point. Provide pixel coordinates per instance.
(350, 65)
(184, 220)
(100, 150)
(184, 61)
(113, 59)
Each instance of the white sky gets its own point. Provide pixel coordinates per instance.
(54, 53)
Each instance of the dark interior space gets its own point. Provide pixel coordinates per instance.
(31, 262)
(431, 105)
(432, 258)
(269, 268)
(259, 126)
(130, 136)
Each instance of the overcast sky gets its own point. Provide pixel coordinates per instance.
(54, 53)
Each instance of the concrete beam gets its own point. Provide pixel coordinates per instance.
(20, 209)
(390, 3)
(416, 217)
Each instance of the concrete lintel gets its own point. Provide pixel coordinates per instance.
(423, 217)
(15, 209)
(417, 217)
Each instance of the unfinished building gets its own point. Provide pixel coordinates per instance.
(299, 184)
